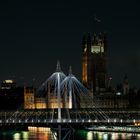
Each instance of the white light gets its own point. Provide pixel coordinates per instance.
(70, 99)
(118, 93)
(32, 121)
(95, 120)
(114, 120)
(89, 120)
(6, 121)
(76, 120)
(25, 135)
(69, 120)
(115, 136)
(64, 120)
(16, 136)
(19, 121)
(121, 120)
(13, 121)
(45, 121)
(58, 120)
(105, 136)
(89, 135)
(108, 121)
(0, 121)
(82, 120)
(95, 49)
(8, 81)
(134, 120)
(38, 120)
(55, 135)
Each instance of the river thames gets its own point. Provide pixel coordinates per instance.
(46, 134)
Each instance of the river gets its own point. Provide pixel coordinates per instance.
(46, 134)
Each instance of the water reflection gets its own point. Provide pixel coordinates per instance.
(40, 133)
(34, 133)
(90, 135)
(16, 136)
(105, 136)
(46, 134)
(25, 135)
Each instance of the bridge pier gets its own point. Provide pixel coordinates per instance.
(62, 131)
(59, 132)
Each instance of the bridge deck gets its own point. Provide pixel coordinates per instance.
(81, 116)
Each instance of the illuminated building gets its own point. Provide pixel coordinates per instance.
(94, 62)
(40, 103)
(8, 84)
(11, 96)
(29, 101)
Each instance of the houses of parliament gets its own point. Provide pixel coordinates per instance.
(94, 77)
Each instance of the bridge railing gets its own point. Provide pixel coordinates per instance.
(43, 121)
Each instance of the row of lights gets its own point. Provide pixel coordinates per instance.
(64, 120)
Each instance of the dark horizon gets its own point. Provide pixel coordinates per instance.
(34, 35)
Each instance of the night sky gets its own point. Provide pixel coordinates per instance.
(35, 34)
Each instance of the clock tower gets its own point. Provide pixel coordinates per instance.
(94, 62)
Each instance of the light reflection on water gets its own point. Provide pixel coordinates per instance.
(90, 135)
(39, 133)
(46, 134)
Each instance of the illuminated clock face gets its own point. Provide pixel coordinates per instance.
(95, 49)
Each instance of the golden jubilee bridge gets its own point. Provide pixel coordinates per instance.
(70, 106)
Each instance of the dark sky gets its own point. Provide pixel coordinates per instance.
(33, 35)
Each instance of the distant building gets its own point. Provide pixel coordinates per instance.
(111, 100)
(29, 100)
(8, 84)
(11, 96)
(125, 85)
(94, 62)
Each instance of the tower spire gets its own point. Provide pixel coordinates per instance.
(58, 67)
(70, 70)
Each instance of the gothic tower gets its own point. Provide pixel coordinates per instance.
(94, 62)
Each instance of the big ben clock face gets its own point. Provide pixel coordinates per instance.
(95, 49)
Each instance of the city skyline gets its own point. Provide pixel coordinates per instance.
(35, 35)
